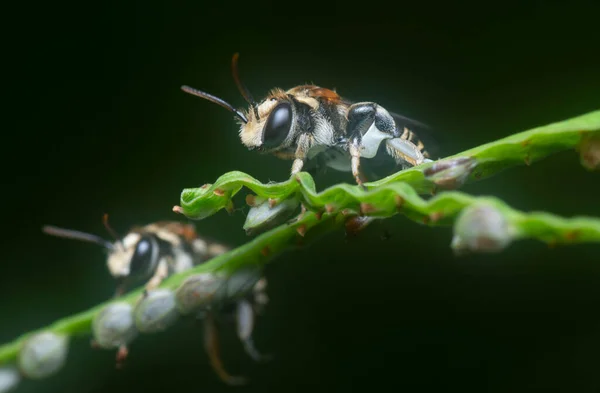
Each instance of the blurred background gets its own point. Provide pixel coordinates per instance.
(97, 124)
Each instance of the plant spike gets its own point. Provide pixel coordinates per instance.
(481, 223)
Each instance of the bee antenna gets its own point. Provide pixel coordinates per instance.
(111, 231)
(241, 87)
(77, 235)
(216, 100)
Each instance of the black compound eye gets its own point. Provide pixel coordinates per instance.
(278, 125)
(143, 259)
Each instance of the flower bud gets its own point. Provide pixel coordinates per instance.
(262, 216)
(481, 228)
(114, 327)
(9, 378)
(197, 292)
(451, 173)
(156, 311)
(238, 285)
(43, 354)
(590, 152)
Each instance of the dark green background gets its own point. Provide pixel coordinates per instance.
(97, 123)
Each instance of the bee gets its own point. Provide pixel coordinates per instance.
(148, 253)
(152, 252)
(309, 123)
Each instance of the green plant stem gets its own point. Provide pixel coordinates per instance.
(523, 148)
(395, 194)
(256, 252)
(390, 200)
(487, 160)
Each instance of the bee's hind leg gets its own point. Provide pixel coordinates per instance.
(244, 316)
(260, 297)
(211, 343)
(405, 151)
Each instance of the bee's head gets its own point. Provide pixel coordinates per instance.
(265, 126)
(135, 257)
(270, 128)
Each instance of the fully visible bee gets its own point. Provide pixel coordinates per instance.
(153, 252)
(309, 123)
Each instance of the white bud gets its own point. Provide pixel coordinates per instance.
(113, 326)
(156, 311)
(43, 354)
(481, 228)
(451, 173)
(9, 378)
(262, 216)
(238, 285)
(197, 292)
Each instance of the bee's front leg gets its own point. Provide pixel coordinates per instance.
(304, 143)
(121, 288)
(354, 149)
(161, 272)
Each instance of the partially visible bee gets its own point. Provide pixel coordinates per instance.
(148, 253)
(309, 122)
(153, 252)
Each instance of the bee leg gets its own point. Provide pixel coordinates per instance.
(161, 272)
(215, 249)
(355, 154)
(260, 296)
(211, 344)
(414, 141)
(297, 166)
(405, 151)
(119, 291)
(361, 117)
(304, 144)
(244, 317)
(294, 220)
(122, 354)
